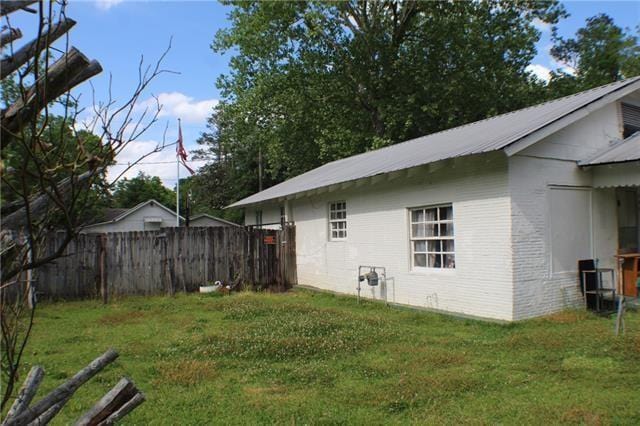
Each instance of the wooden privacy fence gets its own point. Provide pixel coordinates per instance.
(168, 261)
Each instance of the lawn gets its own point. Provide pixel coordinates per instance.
(309, 358)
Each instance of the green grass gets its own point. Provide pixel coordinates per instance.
(312, 358)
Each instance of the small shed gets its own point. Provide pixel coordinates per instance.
(208, 220)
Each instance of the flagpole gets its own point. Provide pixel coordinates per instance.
(178, 181)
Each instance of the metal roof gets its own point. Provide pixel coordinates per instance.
(617, 152)
(483, 136)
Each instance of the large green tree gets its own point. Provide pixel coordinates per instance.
(600, 52)
(312, 82)
(131, 192)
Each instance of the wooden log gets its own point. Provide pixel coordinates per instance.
(7, 7)
(40, 203)
(111, 402)
(20, 57)
(48, 415)
(26, 392)
(63, 392)
(128, 407)
(66, 73)
(10, 35)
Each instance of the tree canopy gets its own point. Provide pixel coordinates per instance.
(131, 192)
(600, 52)
(312, 82)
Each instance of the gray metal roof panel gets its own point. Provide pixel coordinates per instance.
(617, 152)
(483, 136)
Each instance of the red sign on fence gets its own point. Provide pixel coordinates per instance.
(270, 239)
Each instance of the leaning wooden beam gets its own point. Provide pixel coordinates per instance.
(7, 7)
(40, 204)
(138, 399)
(11, 63)
(119, 395)
(9, 35)
(64, 391)
(66, 73)
(26, 392)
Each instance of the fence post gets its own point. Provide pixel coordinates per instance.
(102, 268)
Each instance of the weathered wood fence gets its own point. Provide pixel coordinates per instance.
(168, 261)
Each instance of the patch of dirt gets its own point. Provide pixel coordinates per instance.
(185, 372)
(579, 415)
(127, 317)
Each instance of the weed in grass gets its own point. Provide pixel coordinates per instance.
(294, 333)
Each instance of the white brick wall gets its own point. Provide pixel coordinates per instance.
(538, 291)
(378, 234)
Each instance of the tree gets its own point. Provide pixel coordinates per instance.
(317, 81)
(51, 170)
(600, 53)
(131, 192)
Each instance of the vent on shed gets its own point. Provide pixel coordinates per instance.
(630, 119)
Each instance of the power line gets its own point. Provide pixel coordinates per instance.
(154, 163)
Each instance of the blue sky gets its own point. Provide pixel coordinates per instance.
(117, 33)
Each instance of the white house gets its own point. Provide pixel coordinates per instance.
(487, 219)
(149, 216)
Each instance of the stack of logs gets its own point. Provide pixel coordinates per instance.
(117, 403)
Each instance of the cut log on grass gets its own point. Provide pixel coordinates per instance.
(26, 392)
(109, 404)
(128, 407)
(63, 392)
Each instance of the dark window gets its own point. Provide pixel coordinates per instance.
(630, 119)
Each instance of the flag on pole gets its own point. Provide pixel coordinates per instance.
(181, 152)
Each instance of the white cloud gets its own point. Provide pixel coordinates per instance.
(161, 164)
(542, 26)
(540, 71)
(179, 105)
(107, 4)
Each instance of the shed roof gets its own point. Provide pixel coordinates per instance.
(483, 136)
(208, 216)
(620, 151)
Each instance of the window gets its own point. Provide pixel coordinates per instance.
(630, 119)
(338, 220)
(432, 243)
(258, 217)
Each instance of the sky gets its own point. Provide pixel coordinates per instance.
(118, 32)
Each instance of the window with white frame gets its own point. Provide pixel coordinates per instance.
(338, 220)
(432, 244)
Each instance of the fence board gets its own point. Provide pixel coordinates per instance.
(168, 261)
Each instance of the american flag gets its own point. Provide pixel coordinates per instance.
(181, 152)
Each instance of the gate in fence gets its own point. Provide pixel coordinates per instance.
(168, 261)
